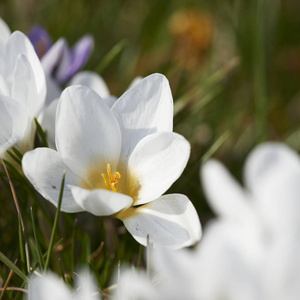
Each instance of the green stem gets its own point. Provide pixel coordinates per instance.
(55, 221)
(13, 267)
(21, 245)
(39, 253)
(259, 73)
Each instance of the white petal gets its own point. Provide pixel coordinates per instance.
(86, 287)
(175, 283)
(4, 36)
(110, 101)
(225, 195)
(87, 132)
(282, 268)
(13, 123)
(24, 87)
(135, 82)
(44, 168)
(48, 287)
(156, 162)
(19, 43)
(170, 221)
(47, 121)
(52, 57)
(272, 173)
(53, 90)
(93, 81)
(4, 87)
(134, 284)
(267, 160)
(100, 202)
(230, 262)
(146, 108)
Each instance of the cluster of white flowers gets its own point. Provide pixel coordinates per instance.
(121, 155)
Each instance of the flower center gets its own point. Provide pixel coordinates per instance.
(110, 180)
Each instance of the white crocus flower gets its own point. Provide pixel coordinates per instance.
(119, 162)
(250, 251)
(49, 287)
(22, 92)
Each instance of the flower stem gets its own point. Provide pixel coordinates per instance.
(55, 221)
(259, 72)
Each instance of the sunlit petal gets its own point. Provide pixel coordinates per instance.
(145, 109)
(100, 202)
(44, 168)
(24, 87)
(169, 221)
(156, 162)
(97, 139)
(19, 43)
(13, 123)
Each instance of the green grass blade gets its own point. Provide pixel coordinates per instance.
(55, 221)
(17, 152)
(259, 72)
(41, 133)
(215, 146)
(22, 232)
(21, 245)
(149, 250)
(40, 259)
(14, 157)
(111, 55)
(206, 86)
(208, 154)
(13, 267)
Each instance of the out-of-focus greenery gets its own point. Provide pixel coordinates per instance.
(234, 70)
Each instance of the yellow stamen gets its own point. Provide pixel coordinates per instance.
(110, 180)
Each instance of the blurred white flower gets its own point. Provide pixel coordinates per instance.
(173, 276)
(22, 90)
(49, 286)
(135, 284)
(250, 251)
(119, 161)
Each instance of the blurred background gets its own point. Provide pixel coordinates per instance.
(233, 67)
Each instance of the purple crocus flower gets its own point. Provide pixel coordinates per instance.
(60, 62)
(40, 39)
